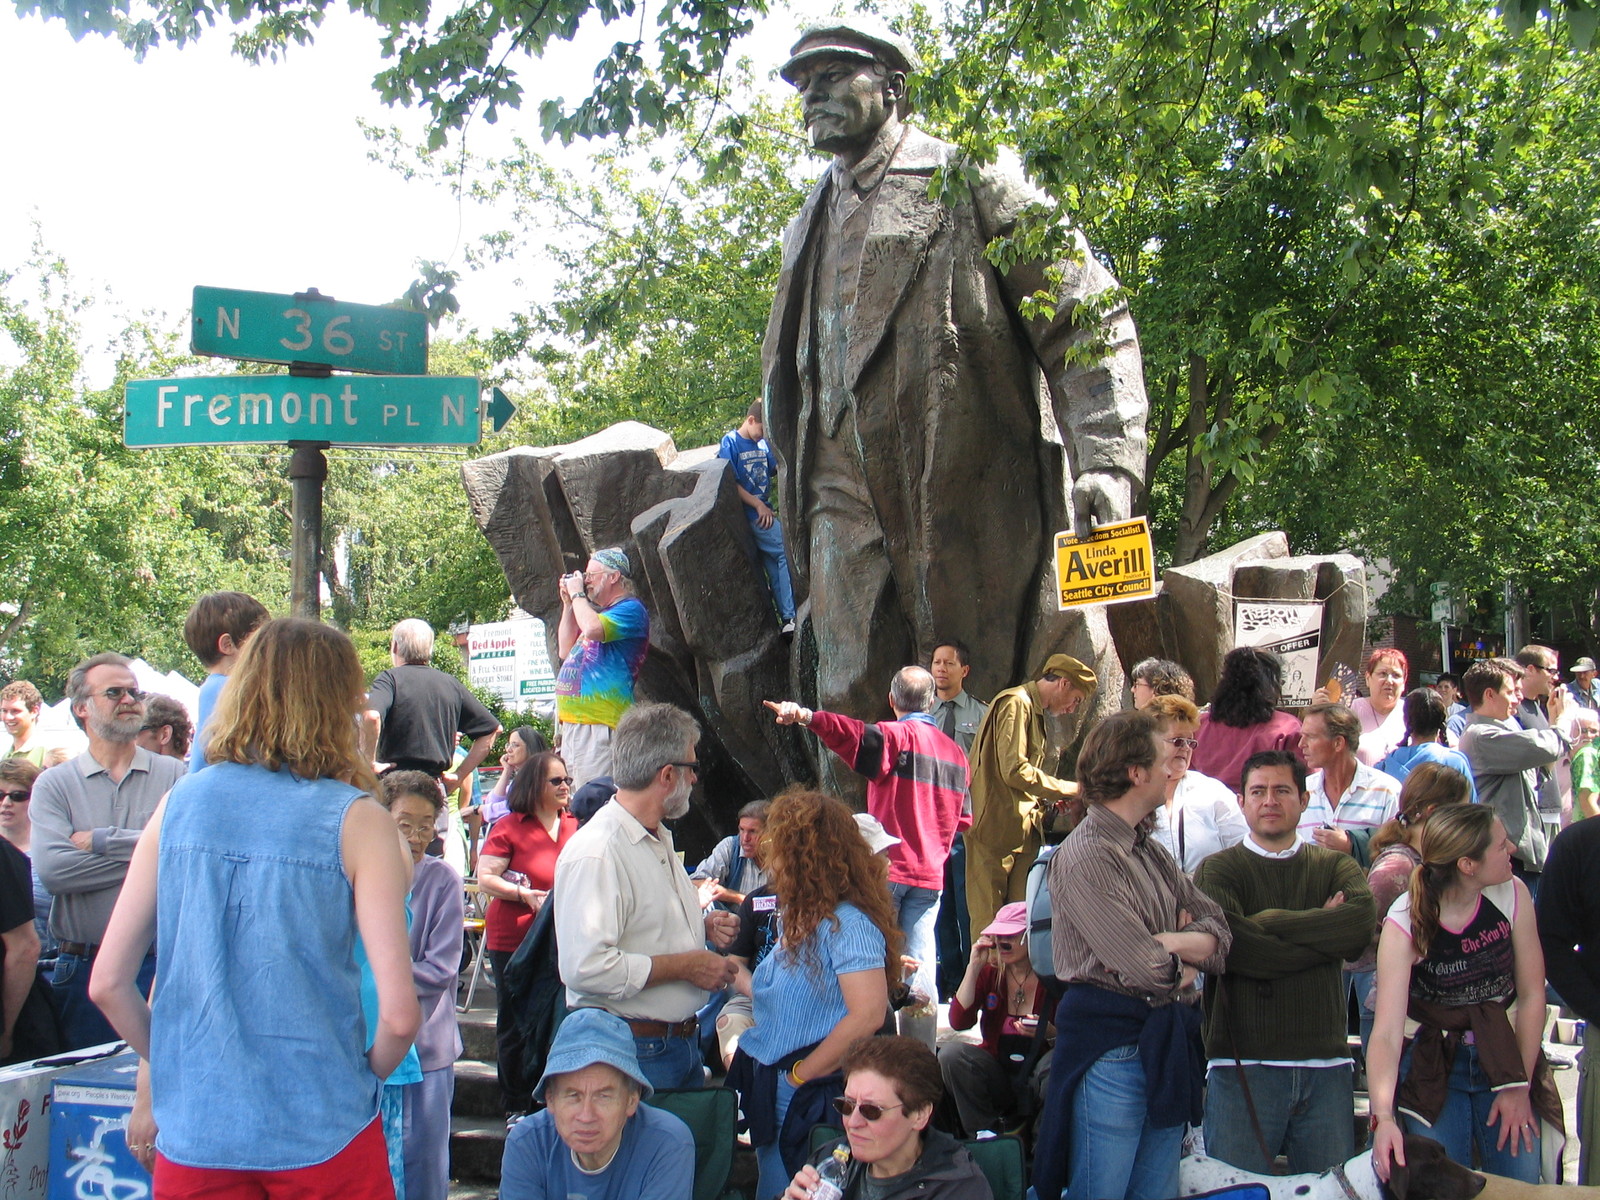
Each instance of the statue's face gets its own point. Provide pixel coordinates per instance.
(845, 101)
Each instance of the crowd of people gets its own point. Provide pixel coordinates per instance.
(276, 924)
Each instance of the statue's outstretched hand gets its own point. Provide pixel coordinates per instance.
(1100, 498)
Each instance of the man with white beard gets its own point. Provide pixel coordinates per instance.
(631, 934)
(87, 815)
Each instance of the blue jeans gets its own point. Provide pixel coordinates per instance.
(918, 909)
(1464, 1122)
(1114, 1151)
(671, 1062)
(953, 931)
(82, 1025)
(769, 542)
(1304, 1112)
(771, 1175)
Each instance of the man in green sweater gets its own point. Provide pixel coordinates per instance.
(1275, 1018)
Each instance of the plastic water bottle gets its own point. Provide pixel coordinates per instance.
(832, 1171)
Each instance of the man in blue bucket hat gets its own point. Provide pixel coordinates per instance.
(594, 1140)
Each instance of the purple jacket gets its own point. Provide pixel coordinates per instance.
(437, 910)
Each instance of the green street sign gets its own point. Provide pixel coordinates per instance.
(344, 410)
(309, 328)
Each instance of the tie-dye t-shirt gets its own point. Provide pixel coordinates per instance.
(595, 686)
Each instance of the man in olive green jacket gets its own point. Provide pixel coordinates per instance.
(1010, 793)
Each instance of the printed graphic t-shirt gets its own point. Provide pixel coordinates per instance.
(753, 463)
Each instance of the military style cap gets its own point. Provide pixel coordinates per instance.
(857, 37)
(1073, 671)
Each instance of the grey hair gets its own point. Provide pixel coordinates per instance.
(648, 737)
(912, 690)
(756, 810)
(412, 640)
(78, 681)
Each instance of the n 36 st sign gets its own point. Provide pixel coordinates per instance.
(427, 410)
(308, 328)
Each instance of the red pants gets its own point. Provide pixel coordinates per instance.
(358, 1172)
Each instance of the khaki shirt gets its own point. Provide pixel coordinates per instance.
(1008, 787)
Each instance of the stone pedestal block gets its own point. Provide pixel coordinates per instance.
(1200, 599)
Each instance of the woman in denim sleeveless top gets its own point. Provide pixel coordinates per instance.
(256, 877)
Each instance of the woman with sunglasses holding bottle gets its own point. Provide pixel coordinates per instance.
(1002, 995)
(516, 870)
(889, 1150)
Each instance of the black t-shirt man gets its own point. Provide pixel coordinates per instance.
(422, 712)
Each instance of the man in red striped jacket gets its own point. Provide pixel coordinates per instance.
(916, 787)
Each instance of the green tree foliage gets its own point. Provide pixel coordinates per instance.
(1278, 188)
(103, 547)
(665, 263)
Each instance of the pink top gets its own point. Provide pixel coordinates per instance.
(1379, 735)
(1223, 748)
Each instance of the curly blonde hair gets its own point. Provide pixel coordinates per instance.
(817, 860)
(291, 703)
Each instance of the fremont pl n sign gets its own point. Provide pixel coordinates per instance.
(343, 410)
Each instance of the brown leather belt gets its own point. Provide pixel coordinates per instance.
(661, 1029)
(80, 949)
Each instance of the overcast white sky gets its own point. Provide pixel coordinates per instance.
(194, 167)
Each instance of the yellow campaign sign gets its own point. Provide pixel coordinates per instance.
(1112, 564)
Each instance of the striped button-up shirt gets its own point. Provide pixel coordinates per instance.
(1112, 889)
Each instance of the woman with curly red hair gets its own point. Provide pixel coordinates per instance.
(826, 982)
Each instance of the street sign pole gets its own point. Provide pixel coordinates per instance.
(308, 470)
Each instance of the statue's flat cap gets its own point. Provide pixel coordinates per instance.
(859, 37)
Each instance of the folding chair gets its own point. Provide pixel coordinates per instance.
(710, 1113)
(472, 928)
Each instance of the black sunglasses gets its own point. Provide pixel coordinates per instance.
(844, 1106)
(16, 797)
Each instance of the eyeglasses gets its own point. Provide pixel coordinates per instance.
(1005, 947)
(412, 832)
(686, 766)
(1182, 743)
(845, 1106)
(16, 797)
(560, 780)
(117, 693)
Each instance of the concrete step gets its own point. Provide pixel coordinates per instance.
(476, 1144)
(477, 1091)
(477, 1033)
